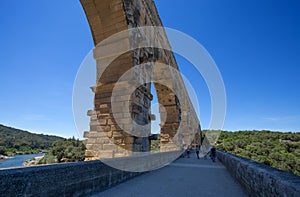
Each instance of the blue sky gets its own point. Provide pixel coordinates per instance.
(256, 45)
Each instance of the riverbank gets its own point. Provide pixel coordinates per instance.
(17, 160)
(3, 157)
(33, 161)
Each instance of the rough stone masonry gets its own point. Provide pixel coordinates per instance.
(113, 131)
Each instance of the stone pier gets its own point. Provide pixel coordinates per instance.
(120, 123)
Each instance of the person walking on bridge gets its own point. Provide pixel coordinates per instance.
(198, 151)
(213, 154)
(188, 151)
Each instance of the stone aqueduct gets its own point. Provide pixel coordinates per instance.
(113, 131)
(106, 139)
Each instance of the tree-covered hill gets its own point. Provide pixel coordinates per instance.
(16, 141)
(277, 149)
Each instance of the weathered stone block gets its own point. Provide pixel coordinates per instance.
(102, 122)
(111, 121)
(118, 140)
(86, 134)
(89, 153)
(109, 147)
(96, 134)
(91, 140)
(115, 127)
(109, 134)
(129, 140)
(102, 140)
(91, 112)
(106, 153)
(95, 147)
(117, 134)
(104, 128)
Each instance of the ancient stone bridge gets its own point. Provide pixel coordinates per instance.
(117, 131)
(132, 51)
(229, 176)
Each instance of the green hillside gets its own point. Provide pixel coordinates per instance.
(16, 141)
(277, 149)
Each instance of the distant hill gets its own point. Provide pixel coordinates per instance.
(14, 141)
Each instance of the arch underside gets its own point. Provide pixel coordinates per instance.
(107, 138)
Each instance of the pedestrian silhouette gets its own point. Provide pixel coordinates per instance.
(188, 151)
(213, 154)
(197, 151)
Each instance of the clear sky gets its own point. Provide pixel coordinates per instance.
(256, 45)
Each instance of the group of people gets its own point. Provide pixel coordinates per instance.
(211, 153)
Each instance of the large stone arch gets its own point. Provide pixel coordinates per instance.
(107, 138)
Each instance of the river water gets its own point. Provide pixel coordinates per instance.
(17, 160)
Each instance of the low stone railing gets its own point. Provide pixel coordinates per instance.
(77, 179)
(259, 179)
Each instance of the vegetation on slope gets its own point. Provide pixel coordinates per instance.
(277, 149)
(16, 141)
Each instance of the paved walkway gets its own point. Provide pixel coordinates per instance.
(184, 177)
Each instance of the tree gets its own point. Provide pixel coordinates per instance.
(277, 149)
(70, 150)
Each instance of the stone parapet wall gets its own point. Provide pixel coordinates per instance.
(259, 179)
(72, 179)
(75, 179)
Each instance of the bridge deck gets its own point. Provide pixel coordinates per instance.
(184, 177)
